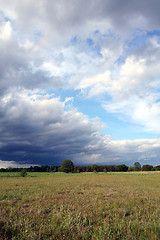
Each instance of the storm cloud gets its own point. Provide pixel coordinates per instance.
(39, 128)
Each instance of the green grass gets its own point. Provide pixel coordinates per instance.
(80, 206)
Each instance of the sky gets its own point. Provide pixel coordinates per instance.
(79, 80)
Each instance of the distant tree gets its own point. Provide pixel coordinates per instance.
(81, 168)
(137, 166)
(45, 168)
(113, 168)
(9, 169)
(147, 167)
(60, 169)
(36, 169)
(131, 169)
(154, 169)
(88, 169)
(53, 168)
(122, 168)
(75, 170)
(30, 169)
(2, 170)
(157, 168)
(94, 168)
(104, 170)
(67, 166)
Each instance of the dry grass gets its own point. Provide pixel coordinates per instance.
(82, 206)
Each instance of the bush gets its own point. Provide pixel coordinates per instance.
(23, 173)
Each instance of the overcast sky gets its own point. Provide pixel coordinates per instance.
(79, 80)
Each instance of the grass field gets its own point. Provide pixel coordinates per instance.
(80, 206)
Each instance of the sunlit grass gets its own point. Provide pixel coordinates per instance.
(80, 206)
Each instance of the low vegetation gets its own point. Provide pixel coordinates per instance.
(80, 206)
(23, 173)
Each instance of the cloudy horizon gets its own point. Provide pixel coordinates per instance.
(79, 80)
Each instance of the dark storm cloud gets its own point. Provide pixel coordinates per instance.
(42, 132)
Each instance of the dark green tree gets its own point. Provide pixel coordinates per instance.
(94, 167)
(157, 168)
(147, 167)
(137, 166)
(88, 169)
(122, 168)
(45, 168)
(112, 168)
(53, 168)
(67, 166)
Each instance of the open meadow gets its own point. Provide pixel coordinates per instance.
(80, 206)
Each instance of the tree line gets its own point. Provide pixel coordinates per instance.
(68, 166)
